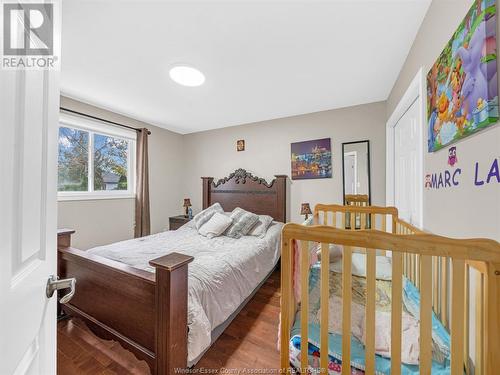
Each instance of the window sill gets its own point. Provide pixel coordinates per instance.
(92, 197)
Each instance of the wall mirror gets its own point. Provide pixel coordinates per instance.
(356, 174)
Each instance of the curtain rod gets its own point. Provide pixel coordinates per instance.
(101, 119)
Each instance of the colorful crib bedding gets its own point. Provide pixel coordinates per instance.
(411, 303)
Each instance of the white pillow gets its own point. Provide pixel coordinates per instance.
(215, 226)
(260, 229)
(205, 215)
(383, 266)
(334, 250)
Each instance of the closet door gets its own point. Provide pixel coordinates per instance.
(406, 170)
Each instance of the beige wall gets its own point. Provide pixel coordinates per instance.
(213, 153)
(466, 210)
(99, 222)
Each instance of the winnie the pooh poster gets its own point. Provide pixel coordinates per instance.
(462, 88)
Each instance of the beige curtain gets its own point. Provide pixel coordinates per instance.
(142, 218)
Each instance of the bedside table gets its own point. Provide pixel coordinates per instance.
(175, 222)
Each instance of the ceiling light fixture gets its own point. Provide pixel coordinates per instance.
(187, 76)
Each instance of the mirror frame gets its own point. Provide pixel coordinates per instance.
(367, 141)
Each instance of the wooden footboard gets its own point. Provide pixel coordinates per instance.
(146, 312)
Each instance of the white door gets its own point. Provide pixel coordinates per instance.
(29, 107)
(407, 175)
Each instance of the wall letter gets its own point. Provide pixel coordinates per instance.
(458, 171)
(494, 172)
(447, 177)
(476, 182)
(440, 182)
(434, 181)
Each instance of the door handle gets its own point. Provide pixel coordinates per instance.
(53, 284)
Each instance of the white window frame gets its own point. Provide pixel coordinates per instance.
(97, 127)
(417, 90)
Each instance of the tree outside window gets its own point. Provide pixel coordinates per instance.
(80, 150)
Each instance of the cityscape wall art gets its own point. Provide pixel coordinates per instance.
(312, 159)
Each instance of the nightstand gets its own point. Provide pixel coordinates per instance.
(176, 222)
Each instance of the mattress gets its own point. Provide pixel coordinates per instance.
(224, 272)
(411, 299)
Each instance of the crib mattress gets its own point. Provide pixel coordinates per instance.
(382, 364)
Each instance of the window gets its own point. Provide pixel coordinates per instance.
(96, 160)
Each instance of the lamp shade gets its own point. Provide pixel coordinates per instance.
(187, 202)
(305, 209)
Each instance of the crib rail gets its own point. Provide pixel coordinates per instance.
(355, 217)
(411, 262)
(475, 272)
(480, 254)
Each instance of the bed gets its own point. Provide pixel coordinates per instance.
(168, 296)
(428, 283)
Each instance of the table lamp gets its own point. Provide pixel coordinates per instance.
(186, 205)
(305, 209)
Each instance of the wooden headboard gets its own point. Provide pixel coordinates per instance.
(242, 189)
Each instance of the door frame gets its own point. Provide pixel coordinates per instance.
(416, 91)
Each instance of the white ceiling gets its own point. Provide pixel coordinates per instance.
(262, 59)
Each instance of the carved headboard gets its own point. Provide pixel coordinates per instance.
(242, 189)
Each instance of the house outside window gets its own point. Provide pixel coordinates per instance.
(95, 161)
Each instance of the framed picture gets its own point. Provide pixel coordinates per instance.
(240, 145)
(462, 88)
(311, 159)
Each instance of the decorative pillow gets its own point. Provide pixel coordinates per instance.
(217, 224)
(205, 215)
(243, 221)
(260, 229)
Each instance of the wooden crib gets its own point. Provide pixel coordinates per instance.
(438, 266)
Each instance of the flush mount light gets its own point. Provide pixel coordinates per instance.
(187, 76)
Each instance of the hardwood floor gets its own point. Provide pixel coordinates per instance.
(249, 342)
(79, 351)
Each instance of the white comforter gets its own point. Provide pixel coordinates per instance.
(224, 272)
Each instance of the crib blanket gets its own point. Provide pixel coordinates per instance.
(410, 334)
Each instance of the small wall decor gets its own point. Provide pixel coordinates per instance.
(428, 181)
(305, 209)
(462, 87)
(240, 145)
(311, 159)
(452, 156)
